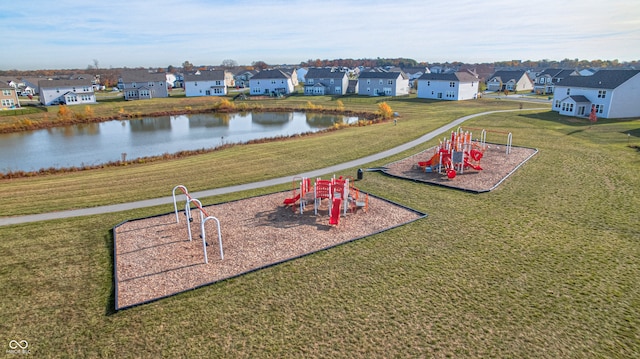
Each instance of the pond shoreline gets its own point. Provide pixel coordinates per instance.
(365, 118)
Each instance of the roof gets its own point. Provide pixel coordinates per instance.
(63, 83)
(557, 73)
(603, 79)
(215, 75)
(506, 76)
(142, 76)
(381, 75)
(324, 73)
(270, 74)
(461, 76)
(578, 99)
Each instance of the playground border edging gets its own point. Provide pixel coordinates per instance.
(115, 274)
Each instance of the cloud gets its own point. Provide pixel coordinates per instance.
(55, 34)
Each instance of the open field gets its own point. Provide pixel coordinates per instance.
(545, 266)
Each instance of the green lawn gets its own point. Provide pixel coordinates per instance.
(546, 266)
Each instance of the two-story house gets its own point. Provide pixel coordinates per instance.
(325, 81)
(242, 77)
(8, 97)
(205, 83)
(66, 92)
(516, 80)
(454, 86)
(270, 83)
(142, 84)
(383, 84)
(547, 79)
(612, 93)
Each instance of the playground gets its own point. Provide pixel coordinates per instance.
(161, 256)
(463, 163)
(198, 245)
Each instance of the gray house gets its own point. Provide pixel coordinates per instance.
(142, 84)
(325, 81)
(383, 84)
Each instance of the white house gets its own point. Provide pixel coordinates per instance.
(66, 92)
(517, 80)
(613, 93)
(271, 82)
(454, 86)
(383, 84)
(142, 84)
(205, 83)
(325, 81)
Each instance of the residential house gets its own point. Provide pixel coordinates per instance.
(455, 86)
(242, 77)
(301, 72)
(514, 81)
(205, 83)
(293, 74)
(413, 73)
(271, 82)
(32, 84)
(142, 84)
(8, 97)
(612, 93)
(383, 84)
(352, 87)
(325, 81)
(179, 81)
(547, 79)
(66, 92)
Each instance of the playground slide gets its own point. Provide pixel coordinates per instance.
(335, 211)
(475, 167)
(292, 200)
(432, 161)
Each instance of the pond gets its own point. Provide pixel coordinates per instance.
(97, 143)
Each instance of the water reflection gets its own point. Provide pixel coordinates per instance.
(162, 123)
(200, 120)
(91, 144)
(272, 118)
(89, 129)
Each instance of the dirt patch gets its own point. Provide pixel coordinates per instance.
(496, 165)
(154, 257)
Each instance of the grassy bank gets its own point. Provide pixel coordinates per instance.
(546, 266)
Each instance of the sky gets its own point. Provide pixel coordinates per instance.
(71, 34)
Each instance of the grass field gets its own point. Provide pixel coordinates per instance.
(546, 266)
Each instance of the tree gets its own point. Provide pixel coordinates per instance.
(187, 66)
(261, 65)
(228, 63)
(95, 63)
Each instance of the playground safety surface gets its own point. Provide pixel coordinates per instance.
(153, 257)
(496, 165)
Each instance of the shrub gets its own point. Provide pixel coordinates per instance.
(385, 110)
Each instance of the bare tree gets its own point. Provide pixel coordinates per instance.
(228, 63)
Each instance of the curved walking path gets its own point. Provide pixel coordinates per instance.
(4, 221)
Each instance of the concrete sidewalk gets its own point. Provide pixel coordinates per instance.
(4, 221)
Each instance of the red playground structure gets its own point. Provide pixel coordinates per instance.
(340, 193)
(455, 155)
